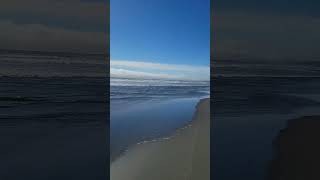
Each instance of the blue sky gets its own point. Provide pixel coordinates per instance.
(161, 31)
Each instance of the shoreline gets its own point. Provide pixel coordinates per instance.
(183, 155)
(161, 139)
(166, 136)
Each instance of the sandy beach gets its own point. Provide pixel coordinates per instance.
(184, 156)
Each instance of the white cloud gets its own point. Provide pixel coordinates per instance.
(148, 70)
(158, 66)
(123, 73)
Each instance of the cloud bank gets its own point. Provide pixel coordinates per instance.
(85, 11)
(265, 36)
(79, 26)
(148, 70)
(43, 38)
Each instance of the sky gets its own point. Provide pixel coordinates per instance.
(278, 31)
(163, 37)
(167, 32)
(68, 26)
(55, 25)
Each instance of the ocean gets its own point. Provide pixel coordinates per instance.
(57, 99)
(146, 110)
(57, 117)
(53, 127)
(53, 116)
(247, 115)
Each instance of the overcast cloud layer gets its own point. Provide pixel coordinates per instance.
(54, 25)
(43, 38)
(75, 9)
(266, 36)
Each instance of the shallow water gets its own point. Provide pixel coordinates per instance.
(143, 113)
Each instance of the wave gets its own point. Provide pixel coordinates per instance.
(40, 99)
(155, 82)
(154, 92)
(20, 99)
(52, 65)
(262, 76)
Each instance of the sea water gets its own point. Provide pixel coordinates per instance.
(247, 115)
(145, 110)
(53, 116)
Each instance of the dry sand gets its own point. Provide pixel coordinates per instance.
(185, 156)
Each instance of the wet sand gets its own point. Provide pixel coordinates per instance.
(186, 155)
(296, 151)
